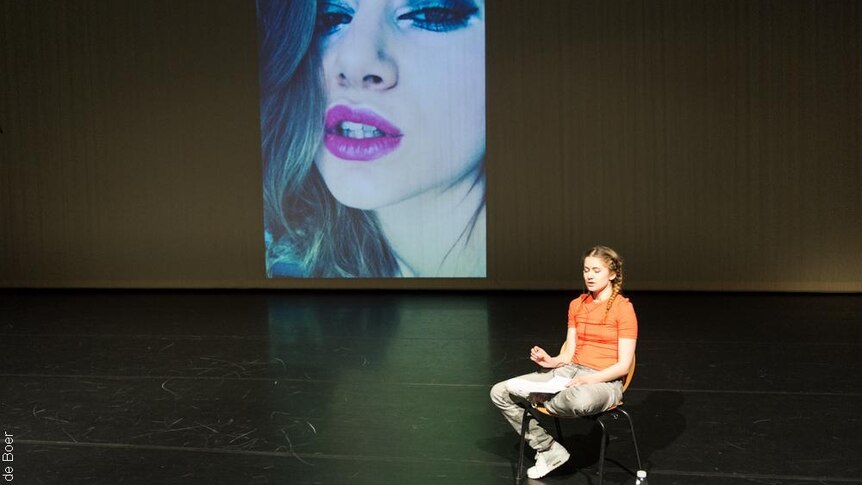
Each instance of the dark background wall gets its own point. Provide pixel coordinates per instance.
(716, 144)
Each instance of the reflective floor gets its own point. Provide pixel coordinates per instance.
(368, 387)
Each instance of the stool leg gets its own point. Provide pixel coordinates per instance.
(525, 420)
(634, 440)
(602, 451)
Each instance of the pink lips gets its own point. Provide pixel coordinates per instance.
(379, 136)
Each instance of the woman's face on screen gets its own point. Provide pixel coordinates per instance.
(405, 82)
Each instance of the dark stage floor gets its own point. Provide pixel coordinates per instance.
(363, 387)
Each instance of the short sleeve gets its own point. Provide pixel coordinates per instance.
(627, 321)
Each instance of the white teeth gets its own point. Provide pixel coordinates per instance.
(349, 125)
(350, 129)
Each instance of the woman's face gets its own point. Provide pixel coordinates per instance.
(597, 276)
(405, 82)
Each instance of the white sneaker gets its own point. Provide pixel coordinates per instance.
(548, 460)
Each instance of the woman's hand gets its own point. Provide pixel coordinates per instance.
(583, 379)
(539, 356)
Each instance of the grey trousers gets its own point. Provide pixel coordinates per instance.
(580, 400)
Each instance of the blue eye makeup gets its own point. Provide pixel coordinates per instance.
(433, 16)
(442, 15)
(331, 17)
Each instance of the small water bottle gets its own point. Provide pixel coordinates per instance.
(641, 478)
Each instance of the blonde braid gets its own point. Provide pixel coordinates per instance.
(618, 285)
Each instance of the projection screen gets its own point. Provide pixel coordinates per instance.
(373, 137)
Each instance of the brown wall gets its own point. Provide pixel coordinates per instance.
(716, 144)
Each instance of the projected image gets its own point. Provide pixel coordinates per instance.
(373, 137)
